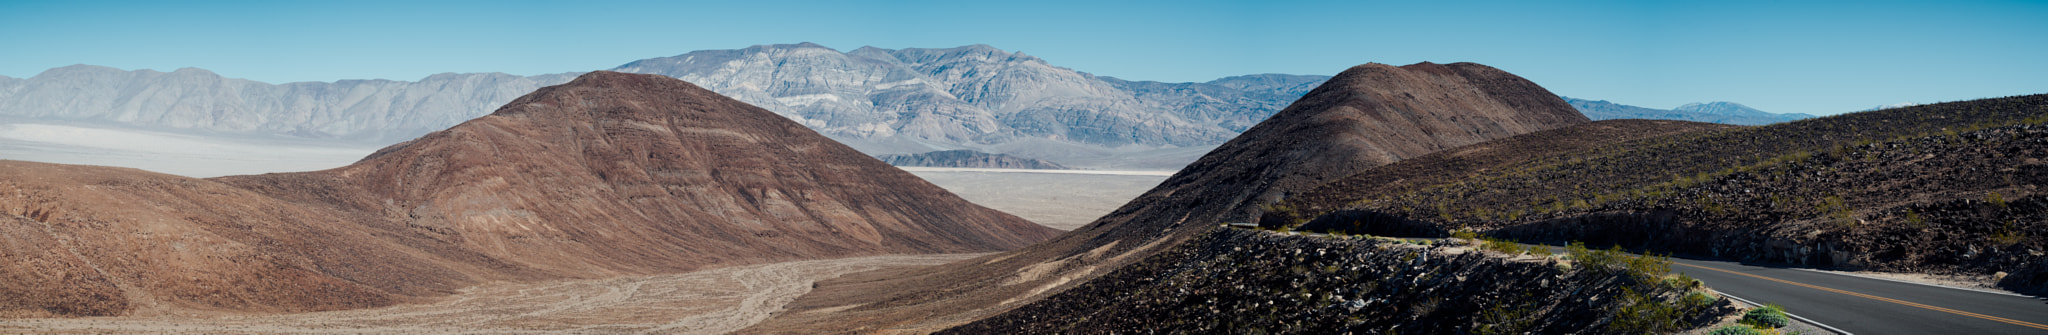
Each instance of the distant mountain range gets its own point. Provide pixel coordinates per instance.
(190, 99)
(1715, 112)
(880, 101)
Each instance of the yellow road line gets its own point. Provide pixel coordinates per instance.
(1884, 299)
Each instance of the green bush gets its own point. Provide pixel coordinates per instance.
(1465, 234)
(1769, 316)
(1698, 299)
(1503, 246)
(1644, 268)
(1735, 330)
(1644, 313)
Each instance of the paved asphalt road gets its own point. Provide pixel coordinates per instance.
(1861, 305)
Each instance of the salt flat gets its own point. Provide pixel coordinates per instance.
(173, 153)
(1062, 199)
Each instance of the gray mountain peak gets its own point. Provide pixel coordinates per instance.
(978, 97)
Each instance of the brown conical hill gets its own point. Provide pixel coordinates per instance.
(607, 175)
(1367, 116)
(632, 173)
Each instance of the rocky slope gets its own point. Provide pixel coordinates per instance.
(1367, 116)
(611, 174)
(1714, 112)
(1947, 188)
(1250, 282)
(1459, 163)
(969, 159)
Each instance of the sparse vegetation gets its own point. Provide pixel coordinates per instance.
(1735, 330)
(1770, 316)
(1836, 210)
(1503, 246)
(1644, 268)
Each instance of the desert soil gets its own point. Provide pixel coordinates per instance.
(703, 302)
(1061, 199)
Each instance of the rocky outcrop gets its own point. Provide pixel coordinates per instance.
(611, 174)
(1367, 116)
(969, 159)
(1249, 282)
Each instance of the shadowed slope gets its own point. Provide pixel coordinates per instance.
(1370, 115)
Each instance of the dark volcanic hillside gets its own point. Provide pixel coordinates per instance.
(969, 159)
(1464, 162)
(1367, 116)
(609, 174)
(1944, 188)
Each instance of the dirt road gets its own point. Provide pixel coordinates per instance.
(704, 302)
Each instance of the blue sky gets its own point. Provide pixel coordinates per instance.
(1779, 56)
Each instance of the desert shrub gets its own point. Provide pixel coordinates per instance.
(1682, 282)
(1835, 208)
(1644, 268)
(1643, 313)
(1769, 316)
(1699, 299)
(1465, 234)
(1502, 246)
(1735, 330)
(2008, 235)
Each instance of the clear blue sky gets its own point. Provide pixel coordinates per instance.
(1779, 56)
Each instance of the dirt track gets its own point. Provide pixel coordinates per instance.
(704, 302)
